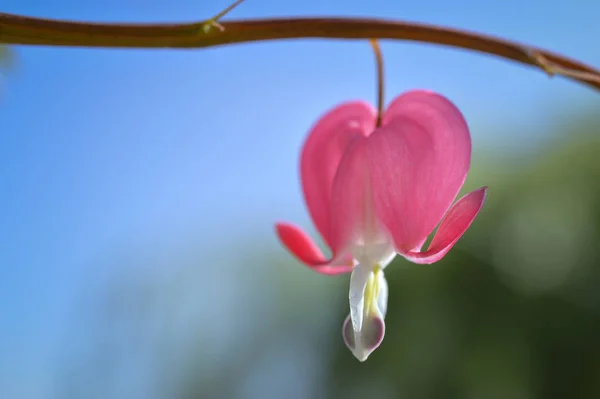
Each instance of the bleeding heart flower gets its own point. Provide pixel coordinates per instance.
(374, 192)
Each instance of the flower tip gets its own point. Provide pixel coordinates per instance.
(368, 338)
(480, 195)
(281, 227)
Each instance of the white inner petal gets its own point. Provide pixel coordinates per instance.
(370, 255)
(366, 327)
(358, 282)
(372, 250)
(373, 254)
(382, 298)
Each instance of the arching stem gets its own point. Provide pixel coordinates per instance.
(23, 30)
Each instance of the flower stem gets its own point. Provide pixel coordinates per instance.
(380, 82)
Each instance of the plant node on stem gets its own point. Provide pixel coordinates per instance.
(214, 21)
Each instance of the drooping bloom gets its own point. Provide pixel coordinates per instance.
(375, 192)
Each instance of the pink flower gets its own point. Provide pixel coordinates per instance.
(374, 192)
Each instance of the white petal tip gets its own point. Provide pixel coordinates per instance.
(363, 343)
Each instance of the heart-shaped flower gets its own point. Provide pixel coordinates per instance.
(377, 191)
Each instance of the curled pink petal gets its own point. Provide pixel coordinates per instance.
(304, 248)
(322, 152)
(418, 161)
(300, 244)
(453, 226)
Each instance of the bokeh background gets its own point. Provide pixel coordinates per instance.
(138, 192)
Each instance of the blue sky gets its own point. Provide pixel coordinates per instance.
(102, 150)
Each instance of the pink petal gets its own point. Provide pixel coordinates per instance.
(303, 247)
(352, 213)
(453, 226)
(419, 160)
(322, 153)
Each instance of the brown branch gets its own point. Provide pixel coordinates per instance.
(22, 30)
